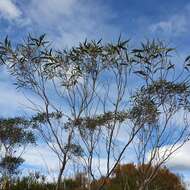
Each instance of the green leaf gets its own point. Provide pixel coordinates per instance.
(187, 59)
(171, 66)
(140, 72)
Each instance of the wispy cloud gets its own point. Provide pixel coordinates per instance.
(9, 10)
(173, 26)
(42, 158)
(66, 22)
(180, 160)
(13, 102)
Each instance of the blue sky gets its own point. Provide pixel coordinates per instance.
(70, 21)
(67, 22)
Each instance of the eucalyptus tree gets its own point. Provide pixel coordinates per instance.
(14, 137)
(156, 110)
(160, 107)
(75, 90)
(94, 107)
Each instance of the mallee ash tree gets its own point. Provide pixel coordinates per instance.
(94, 93)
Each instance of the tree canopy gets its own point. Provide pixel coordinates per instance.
(96, 92)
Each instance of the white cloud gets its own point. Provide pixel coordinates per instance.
(66, 22)
(51, 9)
(9, 10)
(45, 160)
(175, 25)
(180, 160)
(40, 156)
(69, 21)
(12, 102)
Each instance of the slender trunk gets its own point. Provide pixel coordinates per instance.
(64, 161)
(143, 186)
(59, 180)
